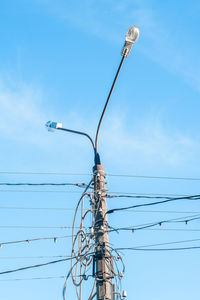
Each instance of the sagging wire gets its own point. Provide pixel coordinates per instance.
(82, 256)
(185, 220)
(35, 266)
(84, 249)
(79, 184)
(167, 199)
(108, 174)
(54, 238)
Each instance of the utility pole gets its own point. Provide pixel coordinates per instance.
(103, 270)
(102, 263)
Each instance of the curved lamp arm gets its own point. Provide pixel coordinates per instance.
(54, 125)
(96, 155)
(131, 37)
(81, 133)
(107, 101)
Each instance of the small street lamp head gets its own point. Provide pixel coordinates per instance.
(132, 36)
(53, 125)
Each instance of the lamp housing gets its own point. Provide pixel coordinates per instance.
(53, 125)
(132, 36)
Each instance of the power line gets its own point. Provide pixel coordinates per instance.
(145, 194)
(184, 219)
(37, 208)
(39, 278)
(118, 249)
(35, 266)
(166, 229)
(110, 196)
(36, 227)
(54, 238)
(159, 249)
(34, 278)
(108, 174)
(42, 264)
(163, 211)
(154, 177)
(44, 173)
(173, 229)
(193, 197)
(167, 243)
(64, 256)
(72, 209)
(33, 257)
(80, 184)
(34, 191)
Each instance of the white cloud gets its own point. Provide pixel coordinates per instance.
(149, 144)
(21, 115)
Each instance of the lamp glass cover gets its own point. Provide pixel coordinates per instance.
(132, 34)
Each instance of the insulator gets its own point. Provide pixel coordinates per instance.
(92, 230)
(124, 294)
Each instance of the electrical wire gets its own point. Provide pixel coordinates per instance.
(192, 197)
(33, 257)
(159, 249)
(54, 238)
(144, 196)
(36, 227)
(184, 219)
(108, 174)
(35, 266)
(36, 278)
(37, 208)
(163, 211)
(141, 248)
(81, 237)
(172, 229)
(109, 196)
(44, 173)
(166, 243)
(39, 191)
(33, 278)
(40, 265)
(154, 177)
(80, 184)
(72, 209)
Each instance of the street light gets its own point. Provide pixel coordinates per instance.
(53, 125)
(132, 36)
(102, 258)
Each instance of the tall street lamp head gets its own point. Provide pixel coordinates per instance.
(132, 36)
(53, 125)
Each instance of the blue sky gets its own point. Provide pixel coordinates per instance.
(57, 62)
